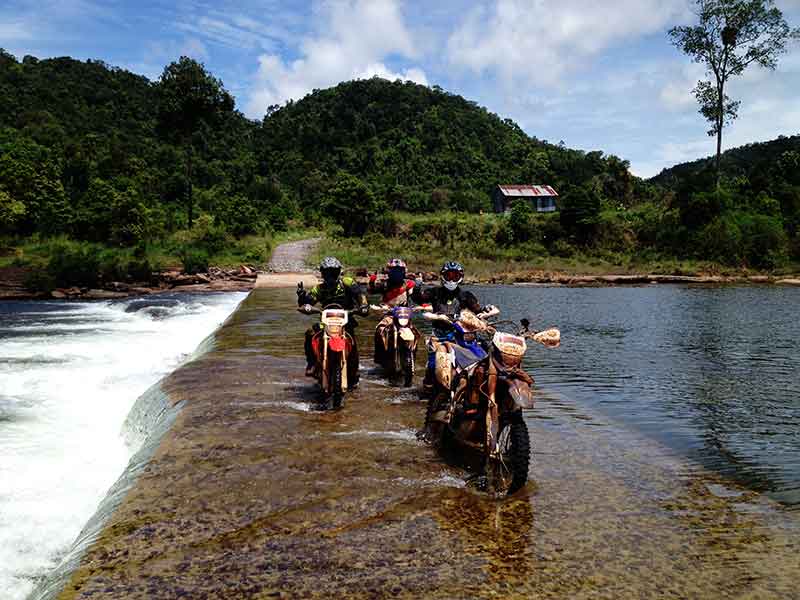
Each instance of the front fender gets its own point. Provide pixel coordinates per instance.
(337, 344)
(520, 395)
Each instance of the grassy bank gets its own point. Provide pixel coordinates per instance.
(486, 246)
(63, 262)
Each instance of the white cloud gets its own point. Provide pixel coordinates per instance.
(676, 94)
(354, 38)
(539, 41)
(380, 70)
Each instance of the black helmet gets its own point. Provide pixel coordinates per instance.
(396, 270)
(330, 268)
(452, 275)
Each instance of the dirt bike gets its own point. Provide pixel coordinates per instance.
(480, 394)
(396, 343)
(331, 346)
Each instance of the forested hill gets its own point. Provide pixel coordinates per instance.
(89, 132)
(107, 158)
(760, 162)
(407, 140)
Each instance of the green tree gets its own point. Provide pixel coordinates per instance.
(11, 211)
(579, 209)
(730, 36)
(351, 204)
(191, 100)
(30, 175)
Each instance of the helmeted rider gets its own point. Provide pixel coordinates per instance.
(334, 289)
(395, 290)
(448, 299)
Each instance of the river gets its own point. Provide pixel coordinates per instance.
(710, 372)
(69, 374)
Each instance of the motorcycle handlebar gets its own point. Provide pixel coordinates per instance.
(387, 308)
(308, 310)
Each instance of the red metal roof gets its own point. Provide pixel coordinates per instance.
(527, 190)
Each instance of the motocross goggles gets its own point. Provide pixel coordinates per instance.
(455, 276)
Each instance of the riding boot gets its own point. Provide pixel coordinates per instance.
(352, 366)
(309, 350)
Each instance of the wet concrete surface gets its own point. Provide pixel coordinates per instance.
(253, 494)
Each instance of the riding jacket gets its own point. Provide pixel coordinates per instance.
(392, 295)
(347, 293)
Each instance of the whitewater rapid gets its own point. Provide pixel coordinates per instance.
(69, 374)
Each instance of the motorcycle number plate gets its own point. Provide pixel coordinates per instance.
(337, 344)
(407, 334)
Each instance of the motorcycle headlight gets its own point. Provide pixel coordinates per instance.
(510, 360)
(402, 321)
(510, 348)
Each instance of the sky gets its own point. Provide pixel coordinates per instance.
(595, 74)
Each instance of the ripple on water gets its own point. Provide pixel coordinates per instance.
(406, 435)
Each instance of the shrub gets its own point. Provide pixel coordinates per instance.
(766, 244)
(562, 248)
(74, 264)
(720, 240)
(195, 260)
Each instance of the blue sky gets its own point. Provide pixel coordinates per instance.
(595, 74)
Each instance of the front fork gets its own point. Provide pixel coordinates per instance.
(325, 372)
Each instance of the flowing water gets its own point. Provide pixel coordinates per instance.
(69, 374)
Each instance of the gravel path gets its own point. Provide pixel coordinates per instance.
(291, 257)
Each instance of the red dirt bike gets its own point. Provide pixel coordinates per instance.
(396, 343)
(332, 345)
(480, 394)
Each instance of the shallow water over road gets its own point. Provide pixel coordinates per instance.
(252, 494)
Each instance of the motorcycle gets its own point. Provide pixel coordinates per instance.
(331, 346)
(396, 343)
(480, 394)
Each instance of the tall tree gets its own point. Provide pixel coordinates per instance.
(191, 100)
(730, 36)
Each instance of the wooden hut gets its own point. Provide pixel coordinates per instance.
(542, 197)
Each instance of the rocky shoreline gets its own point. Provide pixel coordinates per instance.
(610, 280)
(241, 279)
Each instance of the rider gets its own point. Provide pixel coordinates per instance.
(396, 290)
(448, 299)
(334, 289)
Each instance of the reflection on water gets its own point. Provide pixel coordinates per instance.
(709, 371)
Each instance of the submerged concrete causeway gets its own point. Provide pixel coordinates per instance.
(249, 494)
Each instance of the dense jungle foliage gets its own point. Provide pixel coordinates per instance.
(96, 160)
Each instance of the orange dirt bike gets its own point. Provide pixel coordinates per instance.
(396, 341)
(480, 394)
(331, 345)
